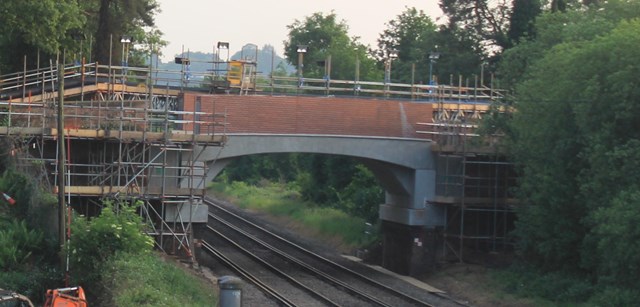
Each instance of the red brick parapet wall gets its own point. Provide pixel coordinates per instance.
(315, 115)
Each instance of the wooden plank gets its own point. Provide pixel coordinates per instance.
(4, 130)
(129, 191)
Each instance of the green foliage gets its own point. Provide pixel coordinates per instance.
(617, 236)
(251, 169)
(327, 181)
(613, 297)
(362, 195)
(25, 255)
(555, 28)
(164, 283)
(44, 28)
(18, 244)
(32, 204)
(21, 188)
(521, 23)
(32, 282)
(281, 200)
(32, 25)
(118, 228)
(412, 34)
(559, 287)
(484, 21)
(113, 18)
(327, 176)
(576, 138)
(325, 35)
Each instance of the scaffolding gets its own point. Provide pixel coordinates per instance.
(127, 139)
(473, 181)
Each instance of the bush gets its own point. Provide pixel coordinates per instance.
(95, 241)
(616, 297)
(32, 282)
(526, 281)
(18, 244)
(164, 283)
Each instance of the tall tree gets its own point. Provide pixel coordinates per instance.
(115, 18)
(324, 36)
(412, 35)
(577, 139)
(521, 23)
(416, 37)
(486, 22)
(553, 28)
(31, 26)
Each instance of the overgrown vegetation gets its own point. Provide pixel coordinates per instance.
(111, 253)
(326, 181)
(27, 255)
(164, 284)
(284, 200)
(106, 251)
(576, 136)
(118, 229)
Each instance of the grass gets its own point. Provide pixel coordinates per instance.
(149, 280)
(284, 201)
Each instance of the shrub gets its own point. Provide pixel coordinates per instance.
(95, 241)
(164, 283)
(526, 281)
(17, 245)
(616, 297)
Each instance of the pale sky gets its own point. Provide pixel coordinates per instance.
(200, 24)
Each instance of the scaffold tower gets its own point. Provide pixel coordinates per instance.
(474, 179)
(126, 136)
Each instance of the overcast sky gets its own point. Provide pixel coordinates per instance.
(200, 24)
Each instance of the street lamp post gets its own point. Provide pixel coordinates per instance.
(357, 75)
(393, 53)
(221, 46)
(433, 57)
(302, 49)
(482, 65)
(125, 40)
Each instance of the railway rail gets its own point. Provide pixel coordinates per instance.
(327, 281)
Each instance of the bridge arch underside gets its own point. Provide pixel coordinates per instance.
(404, 167)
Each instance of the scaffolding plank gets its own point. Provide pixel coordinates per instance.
(130, 191)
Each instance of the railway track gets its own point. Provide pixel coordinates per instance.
(310, 278)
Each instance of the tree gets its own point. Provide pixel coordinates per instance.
(61, 29)
(117, 229)
(553, 28)
(580, 168)
(413, 35)
(36, 26)
(521, 23)
(325, 36)
(486, 22)
(113, 18)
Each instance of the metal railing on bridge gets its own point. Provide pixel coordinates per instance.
(31, 82)
(325, 87)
